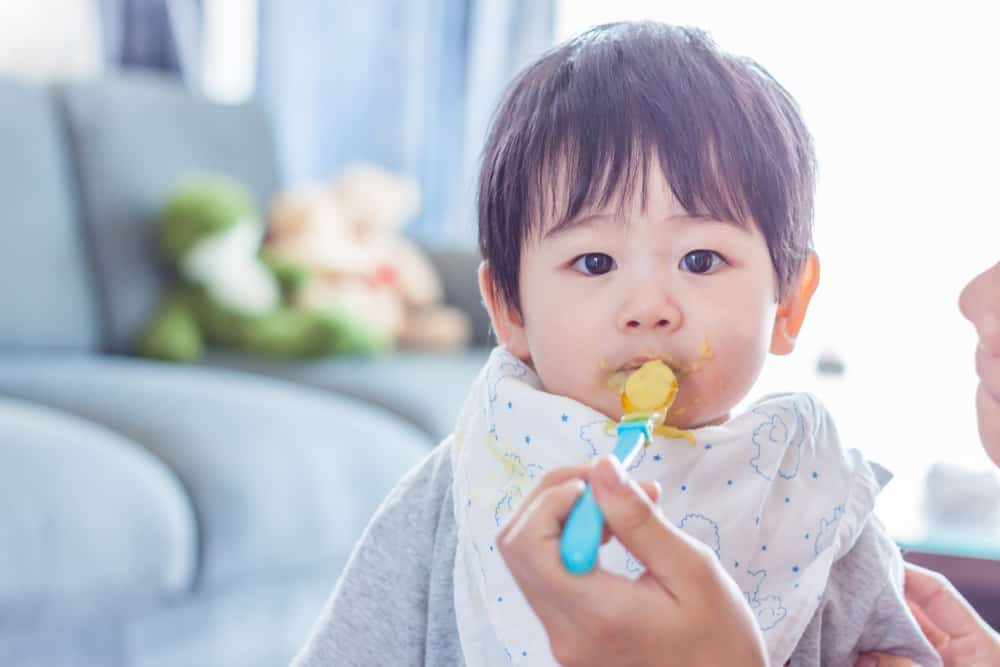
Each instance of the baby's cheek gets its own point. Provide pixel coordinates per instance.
(558, 362)
(727, 377)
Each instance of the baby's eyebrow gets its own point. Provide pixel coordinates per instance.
(577, 222)
(590, 220)
(706, 217)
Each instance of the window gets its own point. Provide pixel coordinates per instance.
(50, 40)
(229, 56)
(901, 102)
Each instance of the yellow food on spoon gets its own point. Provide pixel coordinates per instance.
(650, 390)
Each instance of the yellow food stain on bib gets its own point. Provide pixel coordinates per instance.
(675, 433)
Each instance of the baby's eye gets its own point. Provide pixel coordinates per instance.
(594, 263)
(702, 261)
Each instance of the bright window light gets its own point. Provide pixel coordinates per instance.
(50, 40)
(229, 58)
(904, 110)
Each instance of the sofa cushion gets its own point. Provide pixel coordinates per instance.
(134, 137)
(90, 520)
(48, 301)
(280, 475)
(259, 623)
(427, 389)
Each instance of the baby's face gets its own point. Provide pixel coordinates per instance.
(604, 295)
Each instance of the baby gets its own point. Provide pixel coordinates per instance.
(642, 196)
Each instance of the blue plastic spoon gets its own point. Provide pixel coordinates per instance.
(581, 536)
(647, 395)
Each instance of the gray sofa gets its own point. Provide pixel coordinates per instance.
(153, 514)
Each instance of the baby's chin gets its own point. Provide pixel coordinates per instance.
(679, 416)
(697, 421)
(685, 417)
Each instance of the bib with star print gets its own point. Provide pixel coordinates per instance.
(771, 492)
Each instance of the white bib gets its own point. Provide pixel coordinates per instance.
(771, 492)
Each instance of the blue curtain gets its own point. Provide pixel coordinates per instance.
(162, 35)
(407, 84)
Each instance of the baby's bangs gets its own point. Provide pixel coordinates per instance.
(597, 162)
(584, 129)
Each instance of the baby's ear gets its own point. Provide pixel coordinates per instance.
(792, 309)
(508, 325)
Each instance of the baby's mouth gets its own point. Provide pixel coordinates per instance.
(617, 379)
(680, 368)
(637, 362)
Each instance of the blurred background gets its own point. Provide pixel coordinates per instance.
(157, 512)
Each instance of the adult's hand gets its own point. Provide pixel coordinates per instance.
(884, 660)
(961, 637)
(683, 610)
(980, 303)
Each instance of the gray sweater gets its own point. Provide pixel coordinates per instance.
(394, 603)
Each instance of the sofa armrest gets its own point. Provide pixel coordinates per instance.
(458, 272)
(88, 519)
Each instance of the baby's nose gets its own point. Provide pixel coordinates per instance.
(650, 311)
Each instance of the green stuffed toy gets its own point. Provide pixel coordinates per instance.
(228, 294)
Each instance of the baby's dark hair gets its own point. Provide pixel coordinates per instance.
(593, 113)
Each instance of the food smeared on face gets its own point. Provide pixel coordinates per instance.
(649, 391)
